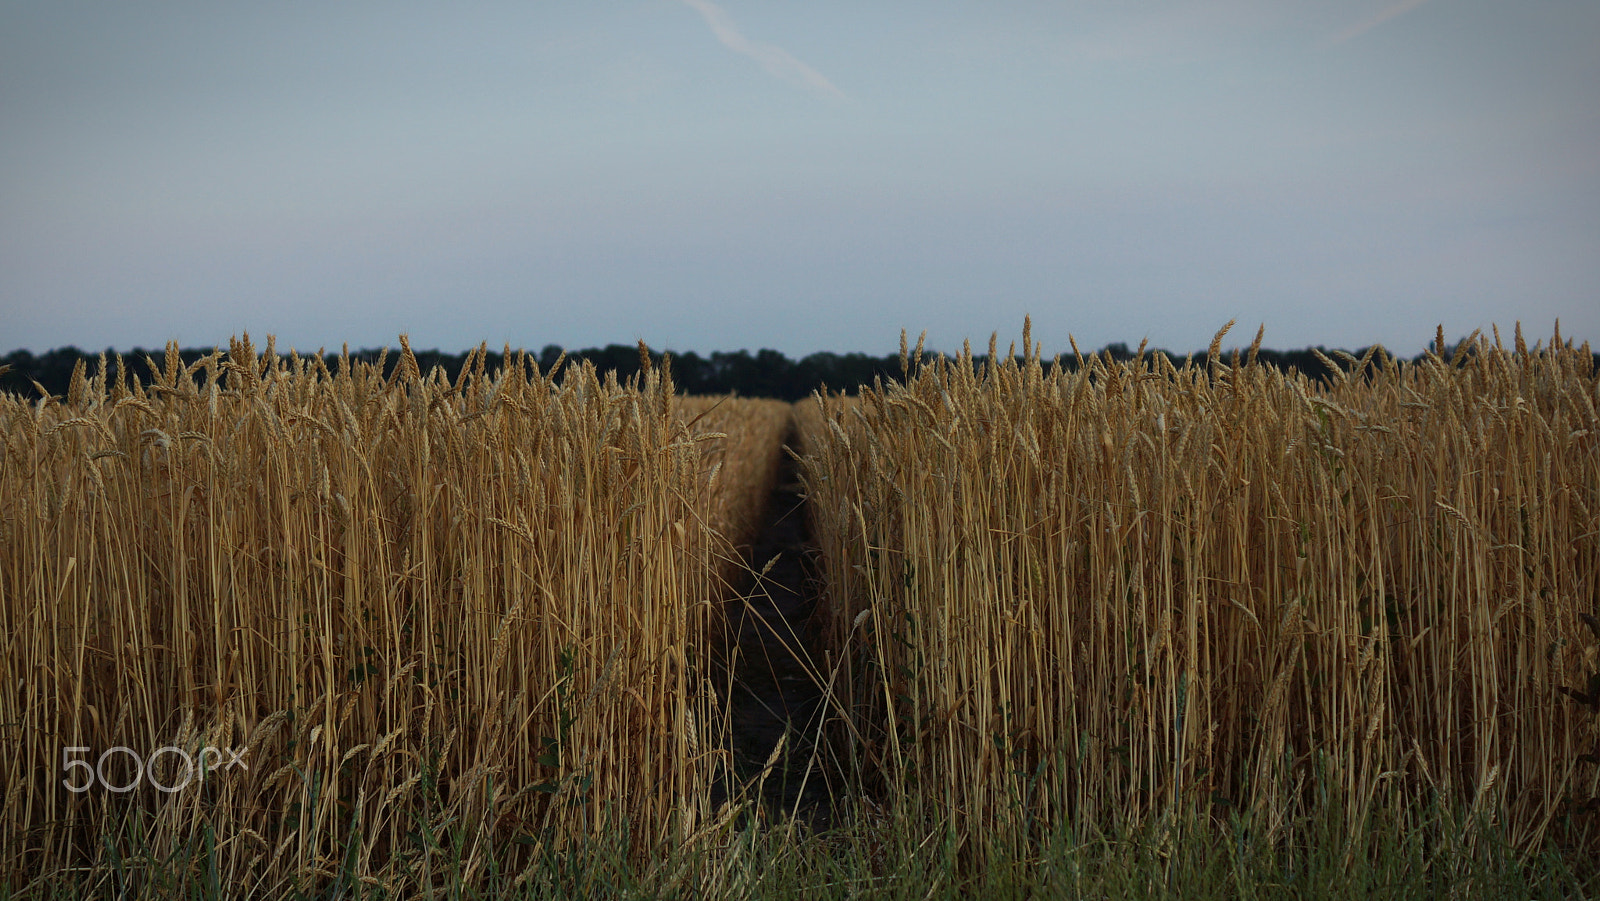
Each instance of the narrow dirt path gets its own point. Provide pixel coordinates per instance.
(773, 692)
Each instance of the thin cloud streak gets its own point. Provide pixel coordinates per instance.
(777, 61)
(1366, 25)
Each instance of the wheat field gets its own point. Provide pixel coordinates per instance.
(278, 626)
(444, 626)
(1136, 593)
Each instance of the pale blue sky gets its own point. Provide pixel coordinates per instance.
(804, 176)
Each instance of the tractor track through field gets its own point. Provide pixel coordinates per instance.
(773, 692)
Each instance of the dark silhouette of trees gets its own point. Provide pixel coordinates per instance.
(766, 373)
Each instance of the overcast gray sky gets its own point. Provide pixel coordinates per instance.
(804, 176)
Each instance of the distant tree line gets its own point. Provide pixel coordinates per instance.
(765, 373)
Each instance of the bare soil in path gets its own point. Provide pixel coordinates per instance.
(774, 694)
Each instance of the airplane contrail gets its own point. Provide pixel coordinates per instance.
(1367, 24)
(776, 60)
